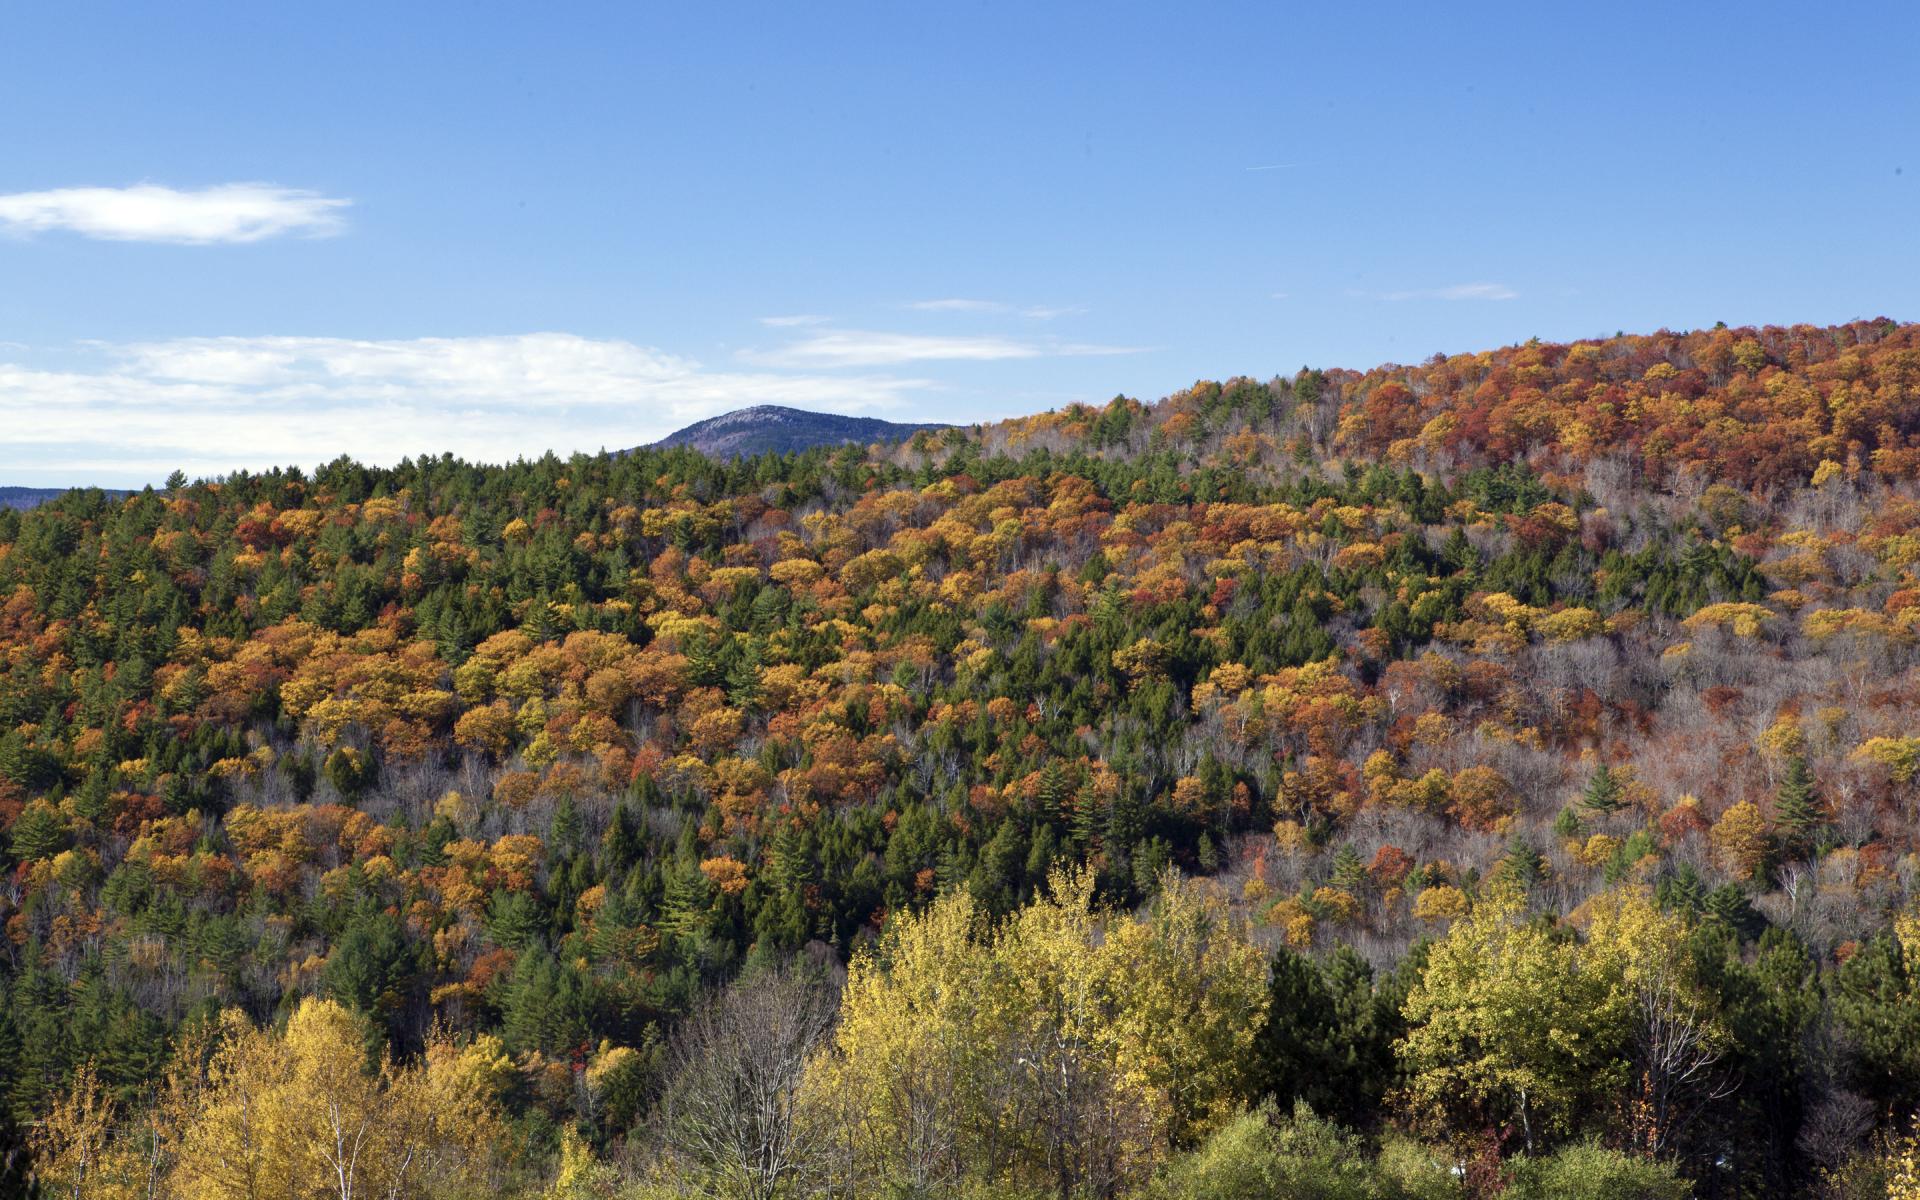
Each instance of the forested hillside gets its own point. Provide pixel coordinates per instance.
(1481, 774)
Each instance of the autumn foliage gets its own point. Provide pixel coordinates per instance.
(516, 761)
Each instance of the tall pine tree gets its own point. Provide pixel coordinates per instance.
(1796, 810)
(1603, 792)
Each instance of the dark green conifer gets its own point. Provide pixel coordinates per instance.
(1603, 791)
(1522, 864)
(1796, 810)
(1349, 873)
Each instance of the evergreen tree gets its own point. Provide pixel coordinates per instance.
(1086, 819)
(1207, 854)
(1683, 891)
(1125, 820)
(1349, 873)
(372, 969)
(1566, 824)
(16, 1165)
(1728, 906)
(685, 910)
(37, 833)
(620, 844)
(514, 920)
(1877, 1003)
(92, 798)
(743, 677)
(1328, 1037)
(563, 832)
(129, 1047)
(709, 659)
(1053, 793)
(545, 1006)
(1523, 865)
(789, 866)
(1603, 791)
(1796, 810)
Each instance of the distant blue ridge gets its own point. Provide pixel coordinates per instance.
(34, 497)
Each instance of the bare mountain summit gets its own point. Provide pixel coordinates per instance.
(771, 429)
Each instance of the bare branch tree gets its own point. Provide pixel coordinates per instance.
(1679, 1052)
(736, 1066)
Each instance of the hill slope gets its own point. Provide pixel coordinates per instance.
(1621, 636)
(771, 429)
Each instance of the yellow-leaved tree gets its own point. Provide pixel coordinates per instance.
(1069, 1048)
(91, 1145)
(905, 1085)
(1901, 1162)
(1514, 1025)
(74, 1154)
(1678, 1039)
(302, 1115)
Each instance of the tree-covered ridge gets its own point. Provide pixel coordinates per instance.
(538, 752)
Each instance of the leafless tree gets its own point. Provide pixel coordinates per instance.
(736, 1065)
(1679, 1055)
(1086, 1131)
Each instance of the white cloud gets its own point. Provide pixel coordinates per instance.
(958, 305)
(213, 405)
(865, 348)
(1477, 291)
(1458, 291)
(795, 319)
(1034, 312)
(232, 212)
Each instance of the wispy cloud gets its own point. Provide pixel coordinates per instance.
(1458, 291)
(232, 212)
(795, 319)
(1034, 312)
(212, 405)
(1274, 167)
(868, 348)
(958, 304)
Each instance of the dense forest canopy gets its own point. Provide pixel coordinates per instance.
(1444, 778)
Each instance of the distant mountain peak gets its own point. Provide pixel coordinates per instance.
(775, 429)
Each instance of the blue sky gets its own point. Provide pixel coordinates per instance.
(239, 234)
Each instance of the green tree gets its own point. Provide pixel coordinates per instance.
(1590, 1171)
(1328, 1037)
(1877, 1003)
(1349, 873)
(1796, 810)
(1603, 792)
(1255, 1157)
(545, 1006)
(38, 832)
(1522, 865)
(372, 970)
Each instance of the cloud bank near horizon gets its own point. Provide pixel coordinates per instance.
(213, 405)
